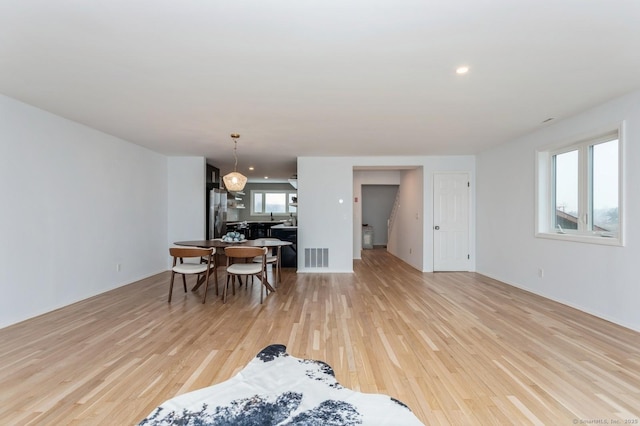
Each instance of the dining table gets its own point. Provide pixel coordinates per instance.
(218, 244)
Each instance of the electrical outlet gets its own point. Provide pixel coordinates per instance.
(540, 273)
(118, 267)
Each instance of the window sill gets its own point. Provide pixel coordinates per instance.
(578, 238)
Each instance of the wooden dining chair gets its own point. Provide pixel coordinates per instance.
(203, 269)
(240, 263)
(273, 260)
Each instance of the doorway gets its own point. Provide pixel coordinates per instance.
(377, 203)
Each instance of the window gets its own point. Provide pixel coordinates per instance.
(579, 196)
(276, 202)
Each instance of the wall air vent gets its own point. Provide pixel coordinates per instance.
(316, 258)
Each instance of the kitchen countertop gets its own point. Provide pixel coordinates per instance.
(283, 226)
(249, 222)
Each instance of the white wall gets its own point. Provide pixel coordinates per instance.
(601, 280)
(324, 223)
(323, 220)
(75, 202)
(408, 240)
(186, 211)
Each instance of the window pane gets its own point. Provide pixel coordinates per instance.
(257, 203)
(605, 187)
(566, 190)
(275, 203)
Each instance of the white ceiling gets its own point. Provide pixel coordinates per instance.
(317, 78)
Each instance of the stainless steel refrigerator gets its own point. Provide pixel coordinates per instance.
(217, 213)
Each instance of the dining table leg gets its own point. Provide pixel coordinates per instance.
(202, 277)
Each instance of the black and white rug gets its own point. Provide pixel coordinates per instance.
(278, 389)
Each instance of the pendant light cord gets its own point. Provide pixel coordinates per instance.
(235, 137)
(235, 146)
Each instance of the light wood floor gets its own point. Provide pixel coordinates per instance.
(458, 348)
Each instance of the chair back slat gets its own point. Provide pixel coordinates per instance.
(244, 252)
(191, 251)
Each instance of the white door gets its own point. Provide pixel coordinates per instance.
(451, 222)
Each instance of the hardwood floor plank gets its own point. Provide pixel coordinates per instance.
(457, 348)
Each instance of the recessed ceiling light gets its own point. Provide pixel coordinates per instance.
(251, 168)
(266, 177)
(462, 69)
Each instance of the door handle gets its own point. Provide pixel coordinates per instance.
(436, 227)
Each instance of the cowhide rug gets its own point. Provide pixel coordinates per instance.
(278, 389)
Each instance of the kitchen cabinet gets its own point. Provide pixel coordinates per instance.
(289, 253)
(251, 230)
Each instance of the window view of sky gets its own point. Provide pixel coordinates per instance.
(605, 175)
(567, 182)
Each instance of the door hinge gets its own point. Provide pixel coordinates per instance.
(468, 257)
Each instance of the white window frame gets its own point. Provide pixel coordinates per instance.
(288, 206)
(545, 192)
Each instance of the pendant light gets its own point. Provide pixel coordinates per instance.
(234, 181)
